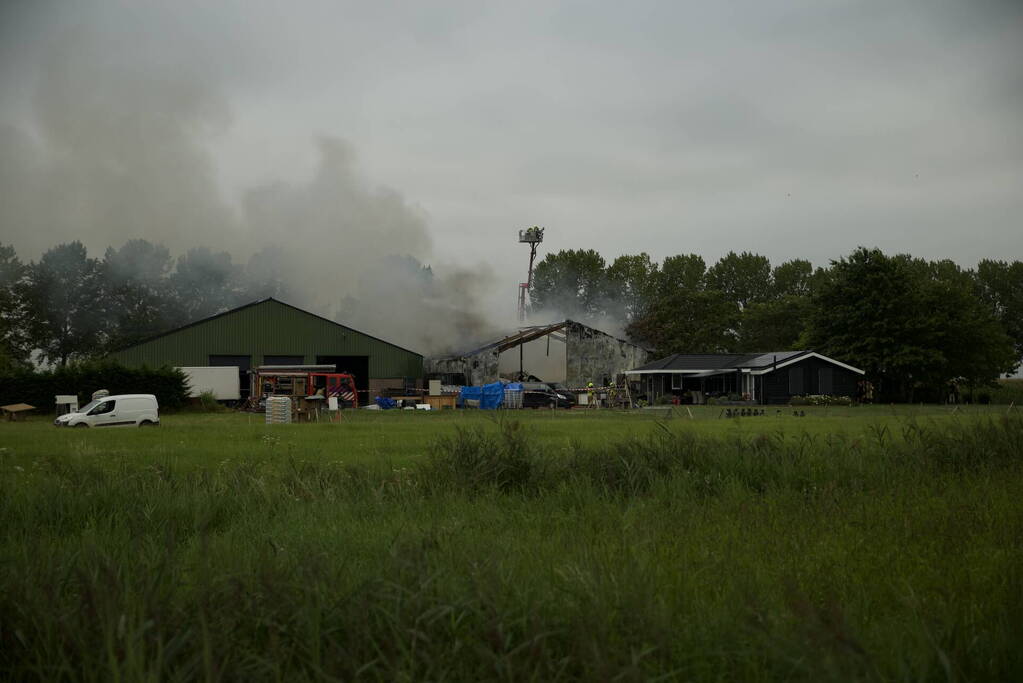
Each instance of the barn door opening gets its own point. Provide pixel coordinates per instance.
(358, 366)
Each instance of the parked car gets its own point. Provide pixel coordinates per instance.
(562, 388)
(540, 395)
(123, 410)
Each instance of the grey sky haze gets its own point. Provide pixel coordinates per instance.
(796, 128)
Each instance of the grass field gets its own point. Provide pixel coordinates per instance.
(851, 544)
(398, 438)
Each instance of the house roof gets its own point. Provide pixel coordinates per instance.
(710, 363)
(763, 360)
(701, 362)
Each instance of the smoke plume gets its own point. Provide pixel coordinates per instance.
(117, 149)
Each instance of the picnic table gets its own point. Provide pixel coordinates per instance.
(15, 411)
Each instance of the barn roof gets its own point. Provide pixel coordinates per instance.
(268, 299)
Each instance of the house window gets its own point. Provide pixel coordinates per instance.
(825, 381)
(795, 381)
(676, 381)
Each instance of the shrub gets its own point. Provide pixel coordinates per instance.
(208, 402)
(38, 387)
(508, 459)
(822, 400)
(476, 460)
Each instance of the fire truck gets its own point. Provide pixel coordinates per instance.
(304, 384)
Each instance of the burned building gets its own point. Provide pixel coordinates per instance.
(567, 352)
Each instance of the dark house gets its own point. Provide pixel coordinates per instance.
(760, 377)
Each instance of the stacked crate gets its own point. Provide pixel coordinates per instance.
(512, 398)
(278, 410)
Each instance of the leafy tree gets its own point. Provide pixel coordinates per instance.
(687, 321)
(140, 299)
(776, 325)
(631, 283)
(793, 278)
(872, 315)
(14, 342)
(974, 342)
(683, 271)
(1001, 288)
(63, 294)
(204, 283)
(906, 323)
(744, 278)
(570, 282)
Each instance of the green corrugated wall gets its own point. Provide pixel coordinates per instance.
(271, 328)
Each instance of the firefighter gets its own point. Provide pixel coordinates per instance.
(592, 395)
(612, 393)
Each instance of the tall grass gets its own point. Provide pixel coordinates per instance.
(1006, 392)
(753, 557)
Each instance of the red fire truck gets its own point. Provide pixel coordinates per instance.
(304, 383)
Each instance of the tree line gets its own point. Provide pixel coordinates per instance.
(908, 322)
(913, 325)
(69, 306)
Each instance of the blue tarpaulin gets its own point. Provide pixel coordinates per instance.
(385, 403)
(470, 394)
(489, 396)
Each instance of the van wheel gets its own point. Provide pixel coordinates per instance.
(81, 425)
(147, 423)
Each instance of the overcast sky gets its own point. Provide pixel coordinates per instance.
(798, 128)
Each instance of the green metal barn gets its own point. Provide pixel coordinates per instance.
(271, 332)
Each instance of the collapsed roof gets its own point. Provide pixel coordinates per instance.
(590, 353)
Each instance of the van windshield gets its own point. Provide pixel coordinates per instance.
(88, 406)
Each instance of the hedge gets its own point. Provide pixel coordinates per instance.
(39, 388)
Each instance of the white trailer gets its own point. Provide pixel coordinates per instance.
(222, 381)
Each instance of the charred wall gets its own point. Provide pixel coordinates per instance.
(593, 356)
(478, 368)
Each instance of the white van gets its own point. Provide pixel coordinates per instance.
(124, 410)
